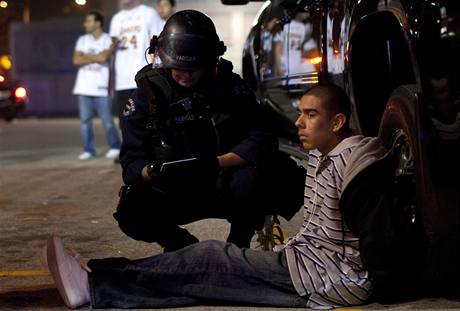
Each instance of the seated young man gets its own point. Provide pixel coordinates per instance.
(319, 267)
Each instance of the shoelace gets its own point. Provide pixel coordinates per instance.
(83, 262)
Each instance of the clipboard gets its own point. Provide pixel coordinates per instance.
(178, 165)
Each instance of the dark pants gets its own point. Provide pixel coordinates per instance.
(244, 196)
(210, 272)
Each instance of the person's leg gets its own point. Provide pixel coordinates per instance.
(245, 206)
(103, 106)
(285, 187)
(86, 110)
(210, 272)
(150, 215)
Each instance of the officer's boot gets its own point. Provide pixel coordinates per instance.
(241, 234)
(176, 238)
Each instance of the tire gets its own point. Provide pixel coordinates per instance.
(400, 131)
(437, 247)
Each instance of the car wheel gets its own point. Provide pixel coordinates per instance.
(400, 131)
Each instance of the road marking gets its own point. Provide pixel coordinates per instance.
(27, 289)
(22, 273)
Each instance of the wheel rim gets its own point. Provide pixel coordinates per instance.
(404, 174)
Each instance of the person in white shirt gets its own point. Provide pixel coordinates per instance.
(91, 55)
(165, 9)
(294, 40)
(131, 29)
(336, 38)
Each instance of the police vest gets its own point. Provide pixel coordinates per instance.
(178, 125)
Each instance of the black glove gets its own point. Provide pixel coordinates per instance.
(154, 168)
(203, 166)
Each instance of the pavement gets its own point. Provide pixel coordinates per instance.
(44, 189)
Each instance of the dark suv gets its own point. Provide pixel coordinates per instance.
(399, 61)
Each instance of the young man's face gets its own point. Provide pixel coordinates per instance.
(186, 78)
(90, 24)
(164, 9)
(315, 125)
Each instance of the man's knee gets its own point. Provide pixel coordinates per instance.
(138, 213)
(210, 247)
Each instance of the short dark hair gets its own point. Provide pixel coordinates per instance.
(335, 98)
(98, 17)
(171, 2)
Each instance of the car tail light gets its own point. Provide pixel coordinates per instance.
(2, 79)
(20, 93)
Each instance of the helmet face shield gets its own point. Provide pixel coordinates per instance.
(186, 52)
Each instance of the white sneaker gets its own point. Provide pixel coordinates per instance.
(112, 154)
(81, 260)
(70, 279)
(85, 156)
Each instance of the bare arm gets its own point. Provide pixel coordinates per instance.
(106, 54)
(278, 52)
(230, 159)
(82, 59)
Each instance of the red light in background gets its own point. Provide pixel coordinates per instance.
(20, 93)
(2, 79)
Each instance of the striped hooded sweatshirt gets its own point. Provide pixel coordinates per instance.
(323, 258)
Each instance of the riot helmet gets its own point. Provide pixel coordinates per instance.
(188, 41)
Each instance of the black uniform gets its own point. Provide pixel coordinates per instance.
(223, 116)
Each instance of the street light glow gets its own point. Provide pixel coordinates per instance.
(80, 2)
(3, 4)
(5, 62)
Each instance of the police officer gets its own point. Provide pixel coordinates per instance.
(192, 107)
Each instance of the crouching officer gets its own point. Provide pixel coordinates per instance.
(194, 111)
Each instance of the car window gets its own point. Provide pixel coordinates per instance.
(289, 54)
(290, 45)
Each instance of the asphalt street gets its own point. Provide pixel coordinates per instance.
(44, 189)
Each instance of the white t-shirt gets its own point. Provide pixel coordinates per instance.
(92, 79)
(133, 28)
